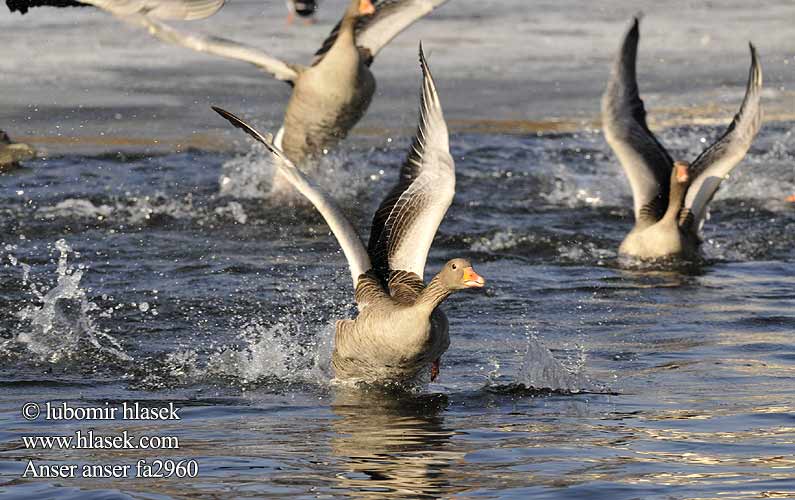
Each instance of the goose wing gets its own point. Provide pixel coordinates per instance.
(182, 10)
(405, 287)
(645, 161)
(375, 31)
(222, 47)
(406, 221)
(346, 235)
(718, 160)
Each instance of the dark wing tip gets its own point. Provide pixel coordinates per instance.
(426, 69)
(423, 61)
(234, 120)
(755, 78)
(634, 30)
(226, 114)
(237, 122)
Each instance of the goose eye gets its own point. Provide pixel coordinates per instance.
(453, 266)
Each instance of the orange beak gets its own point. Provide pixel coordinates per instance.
(682, 174)
(366, 7)
(791, 198)
(472, 279)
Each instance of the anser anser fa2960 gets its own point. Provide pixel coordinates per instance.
(670, 198)
(400, 332)
(332, 94)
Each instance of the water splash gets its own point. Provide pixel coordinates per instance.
(540, 370)
(247, 176)
(62, 325)
(154, 209)
(276, 352)
(339, 174)
(78, 208)
(233, 210)
(133, 210)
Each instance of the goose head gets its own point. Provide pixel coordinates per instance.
(680, 180)
(681, 172)
(359, 8)
(458, 274)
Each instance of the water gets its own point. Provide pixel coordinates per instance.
(140, 263)
(133, 279)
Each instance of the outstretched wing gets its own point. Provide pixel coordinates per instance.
(22, 6)
(182, 10)
(407, 220)
(645, 161)
(375, 31)
(352, 246)
(715, 163)
(222, 47)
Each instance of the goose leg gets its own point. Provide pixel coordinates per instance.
(435, 369)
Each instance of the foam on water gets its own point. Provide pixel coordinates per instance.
(140, 210)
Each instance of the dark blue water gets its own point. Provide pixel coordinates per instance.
(167, 279)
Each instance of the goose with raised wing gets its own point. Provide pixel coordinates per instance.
(400, 333)
(331, 94)
(670, 197)
(11, 153)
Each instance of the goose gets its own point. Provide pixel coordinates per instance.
(670, 197)
(400, 331)
(11, 153)
(131, 10)
(331, 94)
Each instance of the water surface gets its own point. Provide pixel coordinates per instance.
(166, 279)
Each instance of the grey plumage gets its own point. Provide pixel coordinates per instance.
(332, 94)
(648, 165)
(399, 331)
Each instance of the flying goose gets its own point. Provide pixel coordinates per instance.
(331, 94)
(131, 10)
(670, 198)
(11, 153)
(400, 332)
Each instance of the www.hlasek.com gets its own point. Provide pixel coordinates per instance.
(90, 439)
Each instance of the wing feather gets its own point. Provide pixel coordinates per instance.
(718, 160)
(645, 161)
(369, 290)
(183, 10)
(374, 32)
(405, 287)
(343, 230)
(407, 220)
(221, 47)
